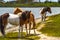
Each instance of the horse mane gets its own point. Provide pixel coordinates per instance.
(28, 14)
(17, 11)
(46, 8)
(25, 15)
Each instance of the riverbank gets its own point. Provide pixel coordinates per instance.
(48, 30)
(51, 4)
(52, 27)
(12, 34)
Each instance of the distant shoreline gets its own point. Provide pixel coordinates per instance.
(50, 4)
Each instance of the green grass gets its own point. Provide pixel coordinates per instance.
(52, 28)
(52, 4)
(14, 36)
(37, 25)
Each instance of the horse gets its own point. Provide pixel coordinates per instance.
(3, 22)
(8, 18)
(26, 18)
(43, 12)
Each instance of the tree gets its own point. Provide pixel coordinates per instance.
(30, 0)
(59, 1)
(39, 0)
(46, 0)
(1, 0)
(24, 1)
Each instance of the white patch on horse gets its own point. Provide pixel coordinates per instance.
(13, 19)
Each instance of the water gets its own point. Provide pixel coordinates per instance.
(35, 10)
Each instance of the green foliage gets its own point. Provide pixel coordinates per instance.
(38, 24)
(14, 36)
(29, 4)
(52, 28)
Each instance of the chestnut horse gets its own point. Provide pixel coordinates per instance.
(26, 18)
(43, 12)
(3, 22)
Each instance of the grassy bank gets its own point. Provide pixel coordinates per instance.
(14, 36)
(52, 28)
(52, 4)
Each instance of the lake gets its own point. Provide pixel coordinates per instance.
(35, 10)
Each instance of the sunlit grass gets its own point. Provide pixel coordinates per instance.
(52, 28)
(38, 24)
(14, 36)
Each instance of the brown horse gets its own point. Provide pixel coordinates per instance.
(26, 18)
(43, 12)
(3, 22)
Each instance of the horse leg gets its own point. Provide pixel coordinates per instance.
(45, 15)
(34, 27)
(26, 29)
(29, 27)
(19, 32)
(42, 17)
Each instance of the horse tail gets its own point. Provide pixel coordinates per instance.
(2, 26)
(2, 29)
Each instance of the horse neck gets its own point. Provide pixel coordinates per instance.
(19, 14)
(16, 12)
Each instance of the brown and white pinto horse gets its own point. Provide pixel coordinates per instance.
(43, 12)
(26, 18)
(3, 22)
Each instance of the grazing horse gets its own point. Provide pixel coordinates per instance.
(26, 18)
(3, 22)
(43, 12)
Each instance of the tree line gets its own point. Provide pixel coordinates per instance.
(27, 1)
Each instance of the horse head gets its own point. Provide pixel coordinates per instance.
(49, 9)
(17, 11)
